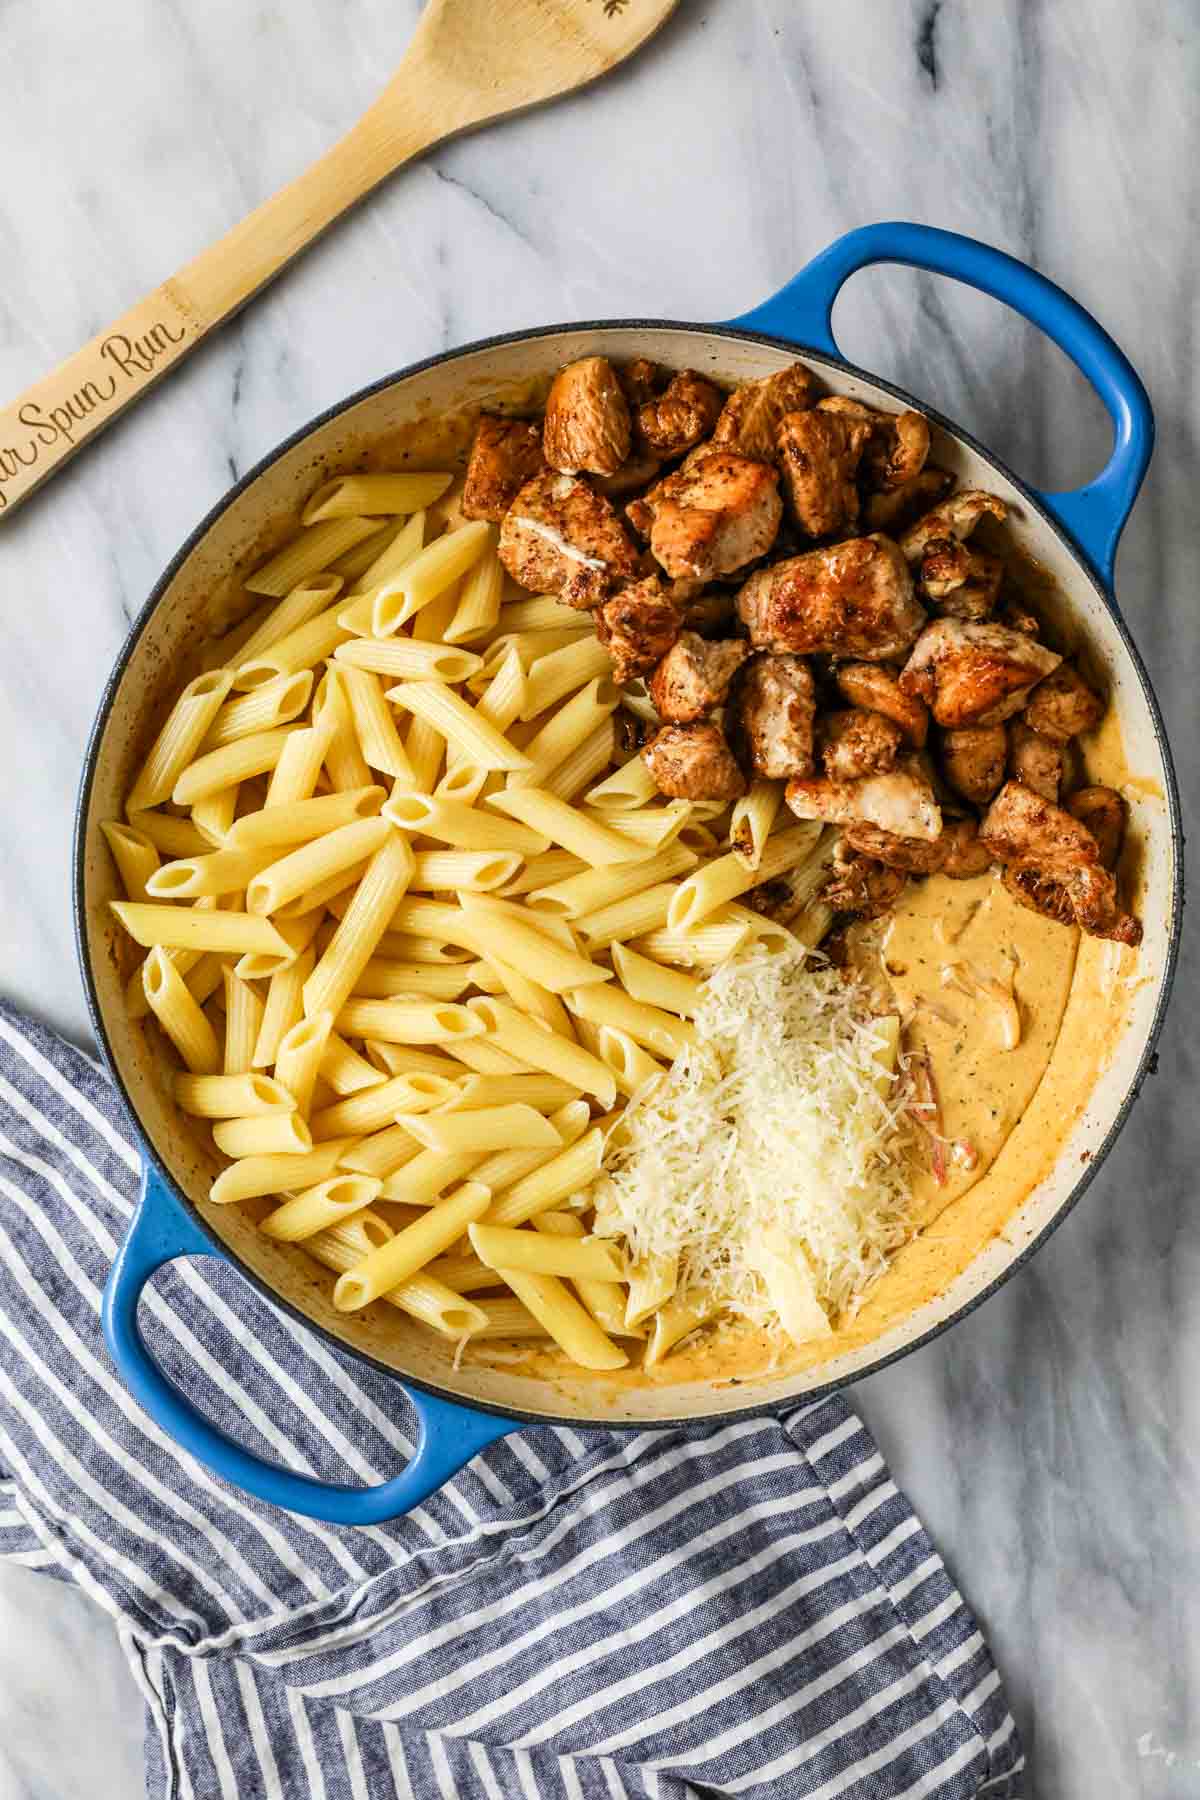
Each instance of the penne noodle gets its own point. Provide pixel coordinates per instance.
(381, 1153)
(632, 1066)
(428, 1175)
(303, 648)
(231, 1096)
(594, 889)
(408, 1021)
(359, 496)
(434, 569)
(316, 1208)
(528, 996)
(453, 822)
(301, 1053)
(375, 725)
(478, 606)
(252, 1176)
(485, 1059)
(176, 745)
(752, 819)
(310, 551)
(213, 816)
(459, 724)
(530, 645)
(541, 612)
(417, 916)
(463, 1274)
(406, 946)
(782, 1263)
(383, 980)
(370, 1109)
(283, 1009)
(564, 731)
(404, 659)
(648, 981)
(502, 936)
(480, 871)
(389, 560)
(711, 943)
(711, 886)
(134, 854)
(220, 872)
(652, 1282)
(574, 1259)
(625, 789)
(646, 1025)
(603, 1299)
(504, 696)
(297, 933)
(179, 1014)
(170, 836)
(565, 825)
(159, 924)
(440, 1308)
(516, 1127)
(305, 868)
(568, 1172)
(275, 703)
(565, 1320)
(267, 1134)
(564, 671)
(628, 918)
(300, 764)
(344, 1070)
(541, 1091)
(243, 1022)
(544, 870)
(236, 762)
(531, 1042)
(682, 1314)
(299, 821)
(403, 1255)
(366, 919)
(318, 899)
(340, 1246)
(654, 827)
(507, 1318)
(344, 762)
(405, 1059)
(583, 764)
(306, 600)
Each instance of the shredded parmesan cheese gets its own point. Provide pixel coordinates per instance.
(775, 1121)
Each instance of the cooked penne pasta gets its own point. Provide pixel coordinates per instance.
(479, 871)
(362, 496)
(169, 835)
(463, 1274)
(648, 981)
(408, 1021)
(297, 934)
(564, 671)
(231, 1096)
(500, 935)
(437, 1306)
(312, 550)
(319, 899)
(422, 1180)
(478, 606)
(383, 980)
(591, 890)
(408, 946)
(632, 1066)
(299, 821)
(316, 1208)
(236, 762)
(220, 872)
(783, 1265)
(550, 867)
(652, 826)
(389, 560)
(530, 997)
(564, 731)
(504, 696)
(301, 763)
(410, 1249)
(530, 645)
(565, 1320)
(213, 816)
(179, 1014)
(646, 1025)
(541, 612)
(574, 1259)
(675, 1320)
(461, 725)
(344, 762)
(382, 1152)
(583, 764)
(535, 1089)
(485, 1059)
(340, 1246)
(252, 1176)
(375, 725)
(652, 1282)
(284, 1008)
(134, 854)
(404, 659)
(708, 888)
(530, 1041)
(275, 703)
(160, 924)
(266, 1134)
(628, 918)
(306, 600)
(517, 1127)
(752, 819)
(301, 1053)
(434, 569)
(566, 1173)
(177, 743)
(625, 789)
(303, 648)
(564, 824)
(404, 1059)
(452, 822)
(703, 948)
(344, 1070)
(366, 919)
(507, 1318)
(603, 1299)
(243, 1022)
(303, 869)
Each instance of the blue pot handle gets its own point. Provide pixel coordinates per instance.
(450, 1435)
(1093, 515)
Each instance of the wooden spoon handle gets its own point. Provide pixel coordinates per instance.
(44, 427)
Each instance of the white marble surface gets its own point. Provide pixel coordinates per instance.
(1052, 1443)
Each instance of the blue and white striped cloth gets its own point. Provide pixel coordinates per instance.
(754, 1612)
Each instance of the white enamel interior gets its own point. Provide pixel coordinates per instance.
(204, 594)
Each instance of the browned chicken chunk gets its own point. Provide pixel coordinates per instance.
(966, 857)
(861, 885)
(819, 453)
(638, 626)
(712, 614)
(973, 760)
(857, 743)
(974, 673)
(897, 507)
(956, 517)
(505, 454)
(771, 717)
(850, 599)
(958, 582)
(694, 676)
(558, 537)
(711, 517)
(1102, 810)
(1063, 705)
(1053, 863)
(1016, 615)
(678, 419)
(587, 424)
(901, 802)
(876, 687)
(693, 762)
(640, 380)
(750, 417)
(916, 856)
(898, 444)
(635, 473)
(1034, 760)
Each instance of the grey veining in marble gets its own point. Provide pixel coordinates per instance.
(1052, 1442)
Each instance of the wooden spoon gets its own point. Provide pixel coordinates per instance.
(469, 61)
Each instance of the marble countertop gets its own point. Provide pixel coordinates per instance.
(1052, 1441)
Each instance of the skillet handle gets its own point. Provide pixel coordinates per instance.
(163, 1229)
(1094, 515)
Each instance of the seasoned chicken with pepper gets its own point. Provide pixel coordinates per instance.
(901, 802)
(973, 759)
(1034, 760)
(861, 885)
(819, 454)
(877, 688)
(587, 426)
(958, 582)
(915, 856)
(972, 673)
(1064, 705)
(559, 537)
(851, 599)
(712, 517)
(955, 518)
(693, 677)
(897, 445)
(1053, 863)
(856, 743)
(1102, 810)
(771, 714)
(896, 508)
(965, 856)
(505, 454)
(749, 421)
(693, 762)
(638, 626)
(677, 419)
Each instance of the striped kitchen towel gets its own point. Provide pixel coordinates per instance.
(577, 1616)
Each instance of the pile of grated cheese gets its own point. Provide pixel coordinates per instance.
(773, 1118)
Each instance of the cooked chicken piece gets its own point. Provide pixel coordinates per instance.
(960, 583)
(1054, 864)
(857, 743)
(630, 733)
(898, 446)
(860, 885)
(972, 760)
(637, 627)
(505, 455)
(587, 424)
(916, 856)
(640, 380)
(558, 537)
(711, 615)
(1034, 760)
(893, 510)
(1064, 705)
(678, 419)
(750, 417)
(1102, 810)
(965, 855)
(956, 517)
(900, 802)
(877, 688)
(850, 599)
(694, 676)
(771, 713)
(693, 762)
(1017, 616)
(974, 673)
(819, 454)
(713, 516)
(635, 473)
